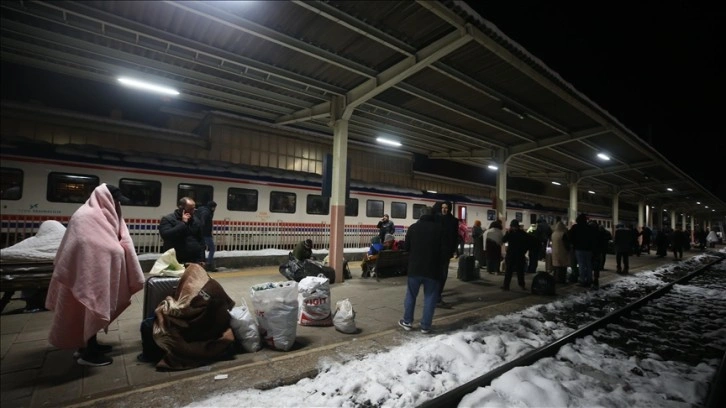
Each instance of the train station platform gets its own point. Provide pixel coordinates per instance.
(34, 374)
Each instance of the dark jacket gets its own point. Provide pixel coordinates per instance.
(302, 252)
(205, 215)
(450, 230)
(518, 243)
(424, 245)
(387, 227)
(582, 236)
(623, 239)
(185, 238)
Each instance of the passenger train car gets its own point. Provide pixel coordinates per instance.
(258, 208)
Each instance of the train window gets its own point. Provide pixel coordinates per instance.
(11, 183)
(242, 199)
(491, 215)
(351, 207)
(398, 210)
(200, 193)
(518, 216)
(417, 208)
(142, 193)
(282, 202)
(70, 188)
(374, 208)
(533, 219)
(317, 204)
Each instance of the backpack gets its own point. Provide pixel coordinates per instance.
(543, 284)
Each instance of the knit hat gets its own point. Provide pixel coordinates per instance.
(389, 237)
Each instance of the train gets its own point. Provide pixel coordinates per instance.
(257, 207)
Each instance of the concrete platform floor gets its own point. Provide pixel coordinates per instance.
(34, 374)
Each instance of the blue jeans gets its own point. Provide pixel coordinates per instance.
(209, 242)
(431, 293)
(584, 262)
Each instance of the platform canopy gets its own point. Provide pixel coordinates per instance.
(435, 76)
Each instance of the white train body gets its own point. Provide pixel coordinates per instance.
(253, 225)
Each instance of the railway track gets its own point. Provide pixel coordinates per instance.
(657, 317)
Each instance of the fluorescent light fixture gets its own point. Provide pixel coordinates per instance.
(603, 156)
(705, 206)
(556, 183)
(591, 192)
(492, 167)
(148, 86)
(698, 202)
(669, 189)
(389, 142)
(431, 191)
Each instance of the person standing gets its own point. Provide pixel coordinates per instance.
(623, 245)
(450, 233)
(424, 240)
(463, 232)
(493, 246)
(679, 241)
(477, 236)
(96, 271)
(182, 231)
(518, 243)
(560, 252)
(206, 217)
(385, 226)
(584, 239)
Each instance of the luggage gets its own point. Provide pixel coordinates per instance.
(314, 268)
(156, 289)
(548, 261)
(467, 270)
(543, 284)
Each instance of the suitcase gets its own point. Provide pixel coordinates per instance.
(156, 289)
(543, 284)
(467, 270)
(315, 268)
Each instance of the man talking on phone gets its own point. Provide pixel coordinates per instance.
(385, 227)
(183, 232)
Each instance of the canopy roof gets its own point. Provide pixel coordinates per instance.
(433, 75)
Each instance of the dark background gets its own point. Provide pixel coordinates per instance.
(657, 67)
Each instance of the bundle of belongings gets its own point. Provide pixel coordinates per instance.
(192, 328)
(297, 270)
(28, 265)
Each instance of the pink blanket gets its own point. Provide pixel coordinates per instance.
(96, 271)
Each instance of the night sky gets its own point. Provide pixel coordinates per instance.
(658, 67)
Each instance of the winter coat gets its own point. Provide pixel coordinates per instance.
(623, 239)
(560, 246)
(583, 237)
(185, 238)
(519, 242)
(205, 216)
(424, 245)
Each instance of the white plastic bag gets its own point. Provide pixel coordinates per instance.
(244, 327)
(344, 317)
(276, 307)
(314, 301)
(167, 265)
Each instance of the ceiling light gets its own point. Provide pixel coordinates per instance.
(492, 167)
(431, 191)
(556, 183)
(591, 192)
(389, 142)
(603, 156)
(698, 202)
(148, 86)
(669, 189)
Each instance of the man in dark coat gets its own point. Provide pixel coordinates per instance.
(449, 237)
(206, 217)
(623, 244)
(424, 245)
(385, 226)
(518, 243)
(182, 231)
(303, 250)
(584, 240)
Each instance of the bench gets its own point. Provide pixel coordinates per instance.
(33, 278)
(389, 263)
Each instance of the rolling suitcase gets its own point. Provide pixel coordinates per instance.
(467, 270)
(156, 289)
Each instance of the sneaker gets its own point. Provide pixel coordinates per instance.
(94, 360)
(404, 325)
(426, 331)
(102, 349)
